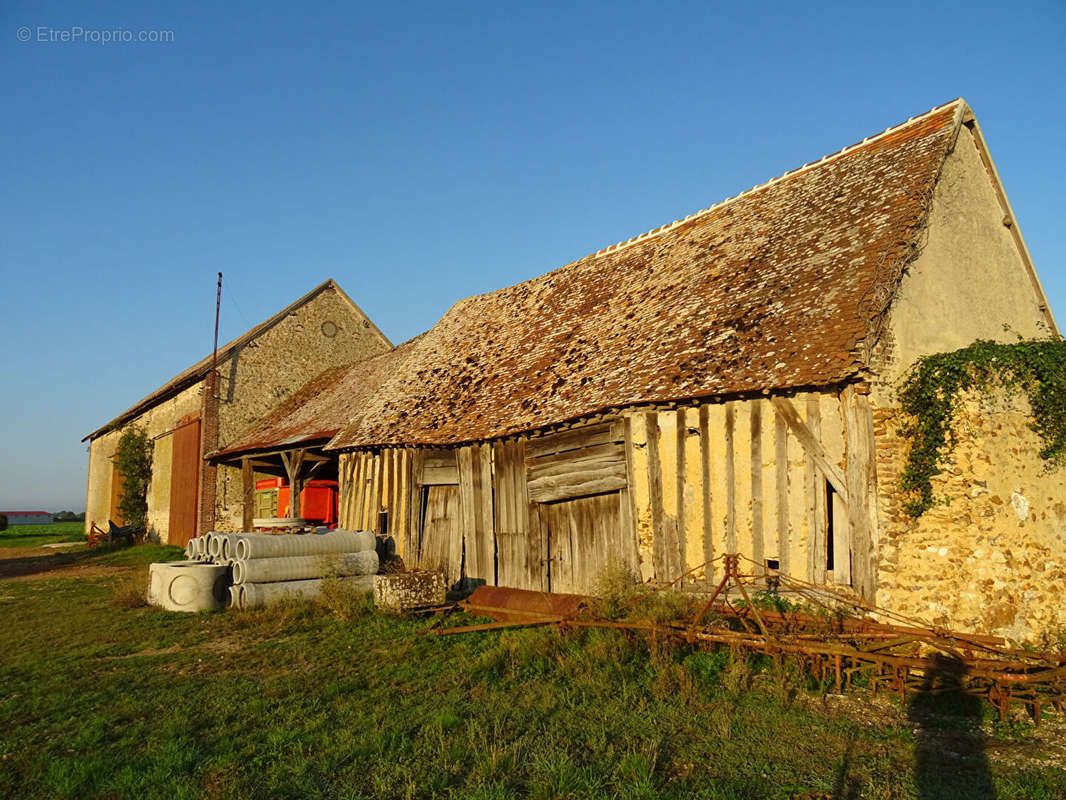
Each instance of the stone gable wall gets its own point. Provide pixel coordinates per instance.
(274, 365)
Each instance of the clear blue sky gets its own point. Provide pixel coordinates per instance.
(419, 153)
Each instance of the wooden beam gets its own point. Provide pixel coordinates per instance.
(705, 482)
(816, 511)
(375, 494)
(784, 542)
(810, 443)
(730, 481)
(862, 482)
(632, 548)
(758, 545)
(680, 438)
(248, 494)
(655, 492)
(414, 513)
(293, 461)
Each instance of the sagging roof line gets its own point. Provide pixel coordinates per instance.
(791, 173)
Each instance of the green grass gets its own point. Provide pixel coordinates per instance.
(102, 700)
(36, 535)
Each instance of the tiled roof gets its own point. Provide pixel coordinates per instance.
(318, 410)
(197, 371)
(773, 289)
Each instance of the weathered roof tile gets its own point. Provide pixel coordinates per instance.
(772, 289)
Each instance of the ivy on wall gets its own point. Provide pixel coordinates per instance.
(930, 394)
(133, 458)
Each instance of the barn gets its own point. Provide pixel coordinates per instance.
(196, 413)
(27, 517)
(727, 383)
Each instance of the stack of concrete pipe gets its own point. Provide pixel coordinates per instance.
(266, 568)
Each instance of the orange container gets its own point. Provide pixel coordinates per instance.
(318, 502)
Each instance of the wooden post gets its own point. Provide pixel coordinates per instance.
(758, 549)
(681, 434)
(655, 492)
(293, 462)
(248, 485)
(781, 470)
(632, 548)
(705, 476)
(730, 481)
(862, 491)
(816, 518)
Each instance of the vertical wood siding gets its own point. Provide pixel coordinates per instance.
(734, 477)
(665, 491)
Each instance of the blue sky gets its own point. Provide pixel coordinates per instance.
(419, 153)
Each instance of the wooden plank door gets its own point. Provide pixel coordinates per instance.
(583, 535)
(184, 482)
(442, 543)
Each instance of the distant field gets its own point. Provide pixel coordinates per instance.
(104, 697)
(36, 535)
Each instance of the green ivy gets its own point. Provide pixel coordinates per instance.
(134, 461)
(930, 394)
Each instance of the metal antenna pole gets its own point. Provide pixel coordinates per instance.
(214, 364)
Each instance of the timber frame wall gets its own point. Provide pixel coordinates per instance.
(778, 479)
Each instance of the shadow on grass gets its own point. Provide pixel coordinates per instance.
(33, 565)
(949, 755)
(115, 555)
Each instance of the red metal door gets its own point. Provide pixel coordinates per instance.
(184, 482)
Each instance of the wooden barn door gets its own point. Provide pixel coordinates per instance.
(442, 539)
(184, 481)
(582, 536)
(577, 486)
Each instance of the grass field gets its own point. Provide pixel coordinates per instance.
(36, 535)
(104, 697)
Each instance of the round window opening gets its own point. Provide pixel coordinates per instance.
(329, 329)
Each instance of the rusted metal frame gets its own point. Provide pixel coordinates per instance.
(488, 611)
(491, 626)
(1001, 681)
(975, 640)
(721, 586)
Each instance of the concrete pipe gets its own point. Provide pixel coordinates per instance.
(234, 599)
(155, 581)
(308, 544)
(294, 568)
(215, 545)
(258, 595)
(229, 546)
(188, 586)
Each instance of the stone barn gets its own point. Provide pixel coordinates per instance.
(727, 383)
(289, 442)
(195, 414)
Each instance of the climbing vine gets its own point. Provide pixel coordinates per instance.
(930, 393)
(133, 459)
